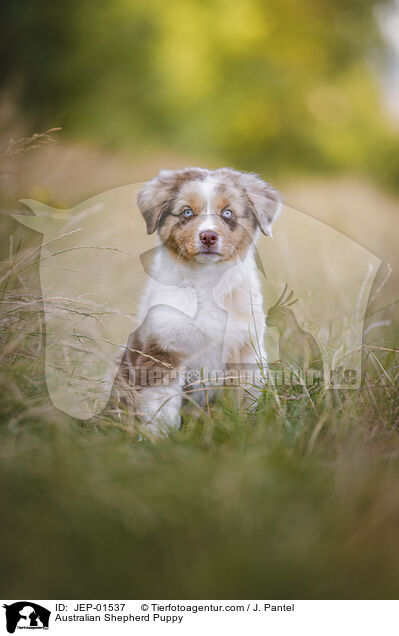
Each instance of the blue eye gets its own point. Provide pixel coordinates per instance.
(227, 214)
(187, 213)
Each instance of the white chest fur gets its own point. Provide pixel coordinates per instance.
(209, 315)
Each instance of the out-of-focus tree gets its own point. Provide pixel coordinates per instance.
(288, 84)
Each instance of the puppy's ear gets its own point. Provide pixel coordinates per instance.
(156, 196)
(264, 200)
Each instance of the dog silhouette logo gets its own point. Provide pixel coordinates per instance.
(96, 259)
(26, 615)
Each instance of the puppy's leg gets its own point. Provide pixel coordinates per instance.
(159, 407)
(152, 382)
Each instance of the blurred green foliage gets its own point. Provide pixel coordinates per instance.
(282, 84)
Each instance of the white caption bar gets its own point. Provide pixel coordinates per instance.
(153, 617)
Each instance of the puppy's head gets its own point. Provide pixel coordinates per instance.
(208, 215)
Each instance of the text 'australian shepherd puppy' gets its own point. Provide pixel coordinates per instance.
(201, 316)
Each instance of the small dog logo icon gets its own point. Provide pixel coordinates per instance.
(297, 347)
(26, 615)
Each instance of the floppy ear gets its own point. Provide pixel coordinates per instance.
(264, 200)
(156, 196)
(154, 199)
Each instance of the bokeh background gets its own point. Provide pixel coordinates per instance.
(300, 500)
(304, 93)
(277, 86)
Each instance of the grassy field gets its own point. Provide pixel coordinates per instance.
(299, 499)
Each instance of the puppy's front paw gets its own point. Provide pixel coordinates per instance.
(157, 429)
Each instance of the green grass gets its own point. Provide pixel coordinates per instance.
(293, 502)
(297, 500)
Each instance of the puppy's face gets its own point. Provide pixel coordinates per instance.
(208, 216)
(208, 222)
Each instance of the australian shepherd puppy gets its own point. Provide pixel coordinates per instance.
(202, 311)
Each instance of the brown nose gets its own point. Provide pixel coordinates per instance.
(208, 238)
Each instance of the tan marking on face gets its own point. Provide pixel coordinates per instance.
(207, 200)
(155, 197)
